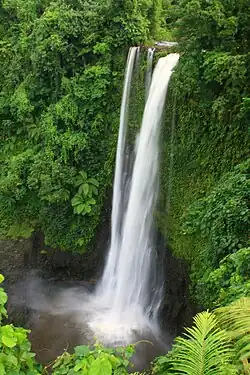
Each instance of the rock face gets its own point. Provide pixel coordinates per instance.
(177, 309)
(18, 258)
(12, 259)
(23, 260)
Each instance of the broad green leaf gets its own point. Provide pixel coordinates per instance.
(58, 362)
(93, 181)
(92, 201)
(3, 297)
(85, 189)
(10, 342)
(83, 174)
(11, 359)
(100, 366)
(115, 361)
(1, 278)
(76, 200)
(7, 330)
(67, 359)
(3, 311)
(81, 364)
(87, 209)
(2, 369)
(125, 362)
(22, 340)
(20, 230)
(80, 208)
(78, 366)
(79, 181)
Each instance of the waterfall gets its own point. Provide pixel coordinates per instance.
(150, 56)
(148, 78)
(116, 218)
(127, 297)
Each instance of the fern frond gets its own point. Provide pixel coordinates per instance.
(205, 350)
(235, 318)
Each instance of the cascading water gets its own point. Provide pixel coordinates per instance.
(125, 299)
(150, 57)
(148, 78)
(116, 219)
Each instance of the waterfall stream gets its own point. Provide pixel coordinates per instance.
(126, 298)
(117, 202)
(150, 57)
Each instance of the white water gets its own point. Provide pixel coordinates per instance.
(149, 70)
(117, 203)
(127, 298)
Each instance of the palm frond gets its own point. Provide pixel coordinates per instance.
(205, 349)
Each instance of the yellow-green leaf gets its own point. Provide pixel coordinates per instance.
(10, 342)
(100, 366)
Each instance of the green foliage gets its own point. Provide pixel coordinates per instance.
(218, 343)
(214, 25)
(231, 279)
(15, 355)
(83, 200)
(204, 350)
(236, 319)
(222, 221)
(3, 300)
(61, 74)
(222, 214)
(207, 343)
(205, 169)
(94, 361)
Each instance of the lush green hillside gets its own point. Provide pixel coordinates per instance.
(62, 66)
(205, 168)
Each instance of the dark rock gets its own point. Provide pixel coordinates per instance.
(177, 310)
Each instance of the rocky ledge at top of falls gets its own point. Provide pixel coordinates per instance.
(166, 44)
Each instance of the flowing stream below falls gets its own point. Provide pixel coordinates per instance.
(124, 306)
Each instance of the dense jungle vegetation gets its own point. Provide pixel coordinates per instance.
(61, 73)
(207, 133)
